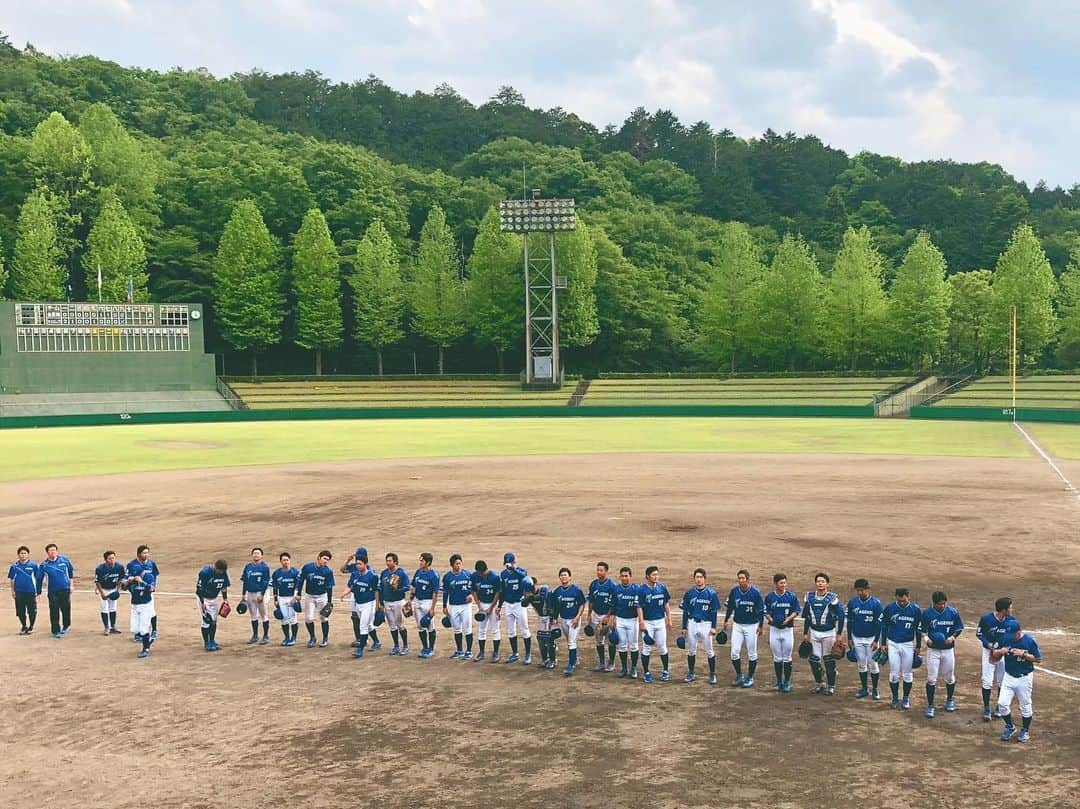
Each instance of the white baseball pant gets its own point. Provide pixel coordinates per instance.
(517, 620)
(395, 619)
(782, 643)
(627, 629)
(943, 661)
(140, 618)
(365, 613)
(288, 611)
(864, 654)
(699, 633)
(821, 643)
(461, 618)
(257, 610)
(901, 656)
(108, 604)
(658, 630)
(992, 673)
(490, 625)
(312, 605)
(1019, 687)
(744, 634)
(420, 609)
(208, 609)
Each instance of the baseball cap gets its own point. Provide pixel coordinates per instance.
(361, 553)
(509, 558)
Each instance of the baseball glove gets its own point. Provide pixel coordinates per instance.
(838, 647)
(278, 614)
(407, 610)
(242, 607)
(325, 611)
(590, 630)
(805, 649)
(395, 580)
(721, 638)
(224, 610)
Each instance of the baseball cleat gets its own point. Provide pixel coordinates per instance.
(712, 679)
(467, 656)
(206, 647)
(610, 667)
(779, 686)
(285, 642)
(550, 665)
(146, 653)
(527, 661)
(65, 630)
(311, 643)
(986, 714)
(114, 631)
(494, 658)
(358, 652)
(375, 647)
(480, 656)
(665, 676)
(647, 677)
(738, 681)
(950, 705)
(454, 656)
(253, 639)
(633, 674)
(513, 658)
(905, 703)
(568, 671)
(106, 633)
(1025, 735)
(1008, 732)
(404, 651)
(929, 712)
(894, 703)
(830, 691)
(748, 682)
(56, 635)
(600, 667)
(623, 672)
(876, 696)
(787, 688)
(689, 678)
(818, 689)
(395, 651)
(862, 693)
(215, 646)
(323, 644)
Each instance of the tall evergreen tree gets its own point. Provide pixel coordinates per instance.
(1068, 349)
(438, 296)
(317, 285)
(59, 156)
(249, 304)
(785, 320)
(919, 305)
(854, 300)
(115, 248)
(970, 312)
(1023, 279)
(378, 291)
(120, 162)
(496, 291)
(38, 272)
(735, 270)
(576, 259)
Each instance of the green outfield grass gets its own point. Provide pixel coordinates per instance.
(68, 451)
(1060, 440)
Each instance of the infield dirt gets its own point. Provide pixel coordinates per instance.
(86, 724)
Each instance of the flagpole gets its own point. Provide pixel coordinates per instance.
(99, 282)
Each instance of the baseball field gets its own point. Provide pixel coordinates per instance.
(969, 508)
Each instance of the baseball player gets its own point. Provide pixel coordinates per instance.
(863, 630)
(823, 618)
(546, 621)
(425, 586)
(902, 639)
(212, 583)
(23, 574)
(1020, 653)
(316, 590)
(569, 604)
(142, 561)
(700, 610)
(59, 572)
(627, 619)
(254, 582)
(393, 589)
(516, 585)
(107, 578)
(457, 600)
(364, 587)
(782, 608)
(601, 600)
(990, 633)
(140, 585)
(486, 588)
(656, 623)
(942, 625)
(348, 569)
(286, 585)
(746, 603)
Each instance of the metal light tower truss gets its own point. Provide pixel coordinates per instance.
(543, 217)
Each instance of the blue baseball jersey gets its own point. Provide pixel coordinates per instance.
(107, 577)
(363, 586)
(142, 592)
(149, 565)
(315, 580)
(700, 605)
(991, 629)
(654, 598)
(515, 584)
(457, 587)
(946, 621)
(24, 576)
(823, 613)
(1016, 667)
(286, 583)
(256, 577)
(567, 601)
(486, 587)
(425, 584)
(779, 606)
(627, 600)
(210, 582)
(864, 617)
(59, 572)
(900, 624)
(748, 605)
(390, 593)
(602, 596)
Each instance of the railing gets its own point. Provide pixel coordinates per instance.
(899, 404)
(229, 395)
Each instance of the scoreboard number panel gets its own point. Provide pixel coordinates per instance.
(102, 327)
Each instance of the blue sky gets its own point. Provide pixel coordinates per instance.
(920, 79)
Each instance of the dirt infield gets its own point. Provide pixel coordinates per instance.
(89, 725)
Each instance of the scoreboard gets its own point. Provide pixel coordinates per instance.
(103, 327)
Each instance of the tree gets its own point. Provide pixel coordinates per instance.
(249, 305)
(970, 312)
(60, 156)
(1023, 279)
(3, 271)
(438, 296)
(378, 291)
(317, 286)
(120, 162)
(854, 301)
(785, 319)
(38, 272)
(919, 305)
(735, 269)
(1068, 350)
(578, 324)
(495, 289)
(115, 249)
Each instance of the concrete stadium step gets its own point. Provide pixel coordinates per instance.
(67, 404)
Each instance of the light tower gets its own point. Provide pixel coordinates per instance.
(545, 217)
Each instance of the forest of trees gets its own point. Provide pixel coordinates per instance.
(350, 228)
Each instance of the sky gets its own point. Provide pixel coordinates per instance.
(967, 80)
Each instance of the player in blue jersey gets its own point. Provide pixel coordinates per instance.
(363, 588)
(457, 601)
(823, 619)
(23, 575)
(486, 588)
(942, 625)
(286, 584)
(393, 592)
(515, 586)
(142, 561)
(748, 607)
(601, 599)
(546, 620)
(59, 571)
(902, 639)
(782, 608)
(863, 630)
(254, 582)
(569, 605)
(425, 587)
(211, 591)
(1020, 653)
(700, 611)
(990, 632)
(348, 569)
(107, 578)
(656, 623)
(316, 591)
(628, 621)
(140, 583)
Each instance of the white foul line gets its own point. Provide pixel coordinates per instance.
(1046, 457)
(1059, 674)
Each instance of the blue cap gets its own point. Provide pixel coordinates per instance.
(135, 569)
(361, 553)
(1010, 628)
(509, 558)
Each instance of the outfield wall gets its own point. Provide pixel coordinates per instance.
(996, 414)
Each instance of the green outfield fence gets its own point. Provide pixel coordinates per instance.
(1071, 416)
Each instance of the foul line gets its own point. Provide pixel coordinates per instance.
(1059, 674)
(1046, 457)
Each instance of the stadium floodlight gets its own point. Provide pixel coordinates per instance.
(537, 215)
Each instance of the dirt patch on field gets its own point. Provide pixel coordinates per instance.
(183, 444)
(299, 727)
